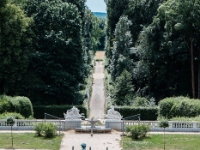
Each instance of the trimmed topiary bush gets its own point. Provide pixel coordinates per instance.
(26, 108)
(179, 107)
(18, 104)
(13, 115)
(6, 104)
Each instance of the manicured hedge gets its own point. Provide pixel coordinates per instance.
(55, 110)
(179, 107)
(146, 113)
(18, 104)
(14, 115)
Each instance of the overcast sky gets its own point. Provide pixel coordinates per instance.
(96, 5)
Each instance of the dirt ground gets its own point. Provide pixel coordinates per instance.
(100, 54)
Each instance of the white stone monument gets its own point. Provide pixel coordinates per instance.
(72, 119)
(73, 113)
(112, 114)
(113, 120)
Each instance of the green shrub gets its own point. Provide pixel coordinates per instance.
(49, 130)
(6, 104)
(10, 121)
(18, 104)
(38, 127)
(55, 110)
(13, 115)
(179, 107)
(164, 124)
(128, 129)
(140, 102)
(144, 129)
(45, 129)
(146, 113)
(26, 108)
(139, 131)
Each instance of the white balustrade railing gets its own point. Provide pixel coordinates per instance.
(29, 124)
(174, 126)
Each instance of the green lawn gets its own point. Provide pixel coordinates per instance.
(29, 140)
(155, 142)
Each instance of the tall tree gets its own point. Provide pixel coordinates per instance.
(183, 16)
(123, 89)
(115, 9)
(14, 51)
(140, 13)
(57, 65)
(121, 50)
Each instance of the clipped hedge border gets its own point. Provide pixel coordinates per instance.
(179, 107)
(55, 110)
(146, 113)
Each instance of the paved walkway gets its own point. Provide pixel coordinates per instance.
(99, 141)
(97, 101)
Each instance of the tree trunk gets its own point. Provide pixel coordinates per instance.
(192, 65)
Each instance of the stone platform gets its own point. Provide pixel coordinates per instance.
(95, 129)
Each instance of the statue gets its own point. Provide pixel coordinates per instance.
(112, 114)
(73, 113)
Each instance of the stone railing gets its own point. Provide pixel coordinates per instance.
(174, 126)
(29, 124)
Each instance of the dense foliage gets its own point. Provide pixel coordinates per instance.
(161, 51)
(14, 50)
(46, 49)
(179, 107)
(146, 113)
(56, 110)
(13, 115)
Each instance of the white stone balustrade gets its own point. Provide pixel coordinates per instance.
(174, 126)
(21, 124)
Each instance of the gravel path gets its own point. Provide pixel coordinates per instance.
(97, 101)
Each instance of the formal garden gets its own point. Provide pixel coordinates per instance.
(151, 68)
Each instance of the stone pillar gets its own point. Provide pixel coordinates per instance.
(72, 124)
(114, 124)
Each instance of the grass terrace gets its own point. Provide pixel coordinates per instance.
(155, 142)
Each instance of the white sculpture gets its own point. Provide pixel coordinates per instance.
(73, 113)
(112, 114)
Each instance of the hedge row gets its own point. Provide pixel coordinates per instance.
(18, 104)
(146, 113)
(179, 107)
(54, 110)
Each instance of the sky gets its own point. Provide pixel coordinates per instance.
(96, 5)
